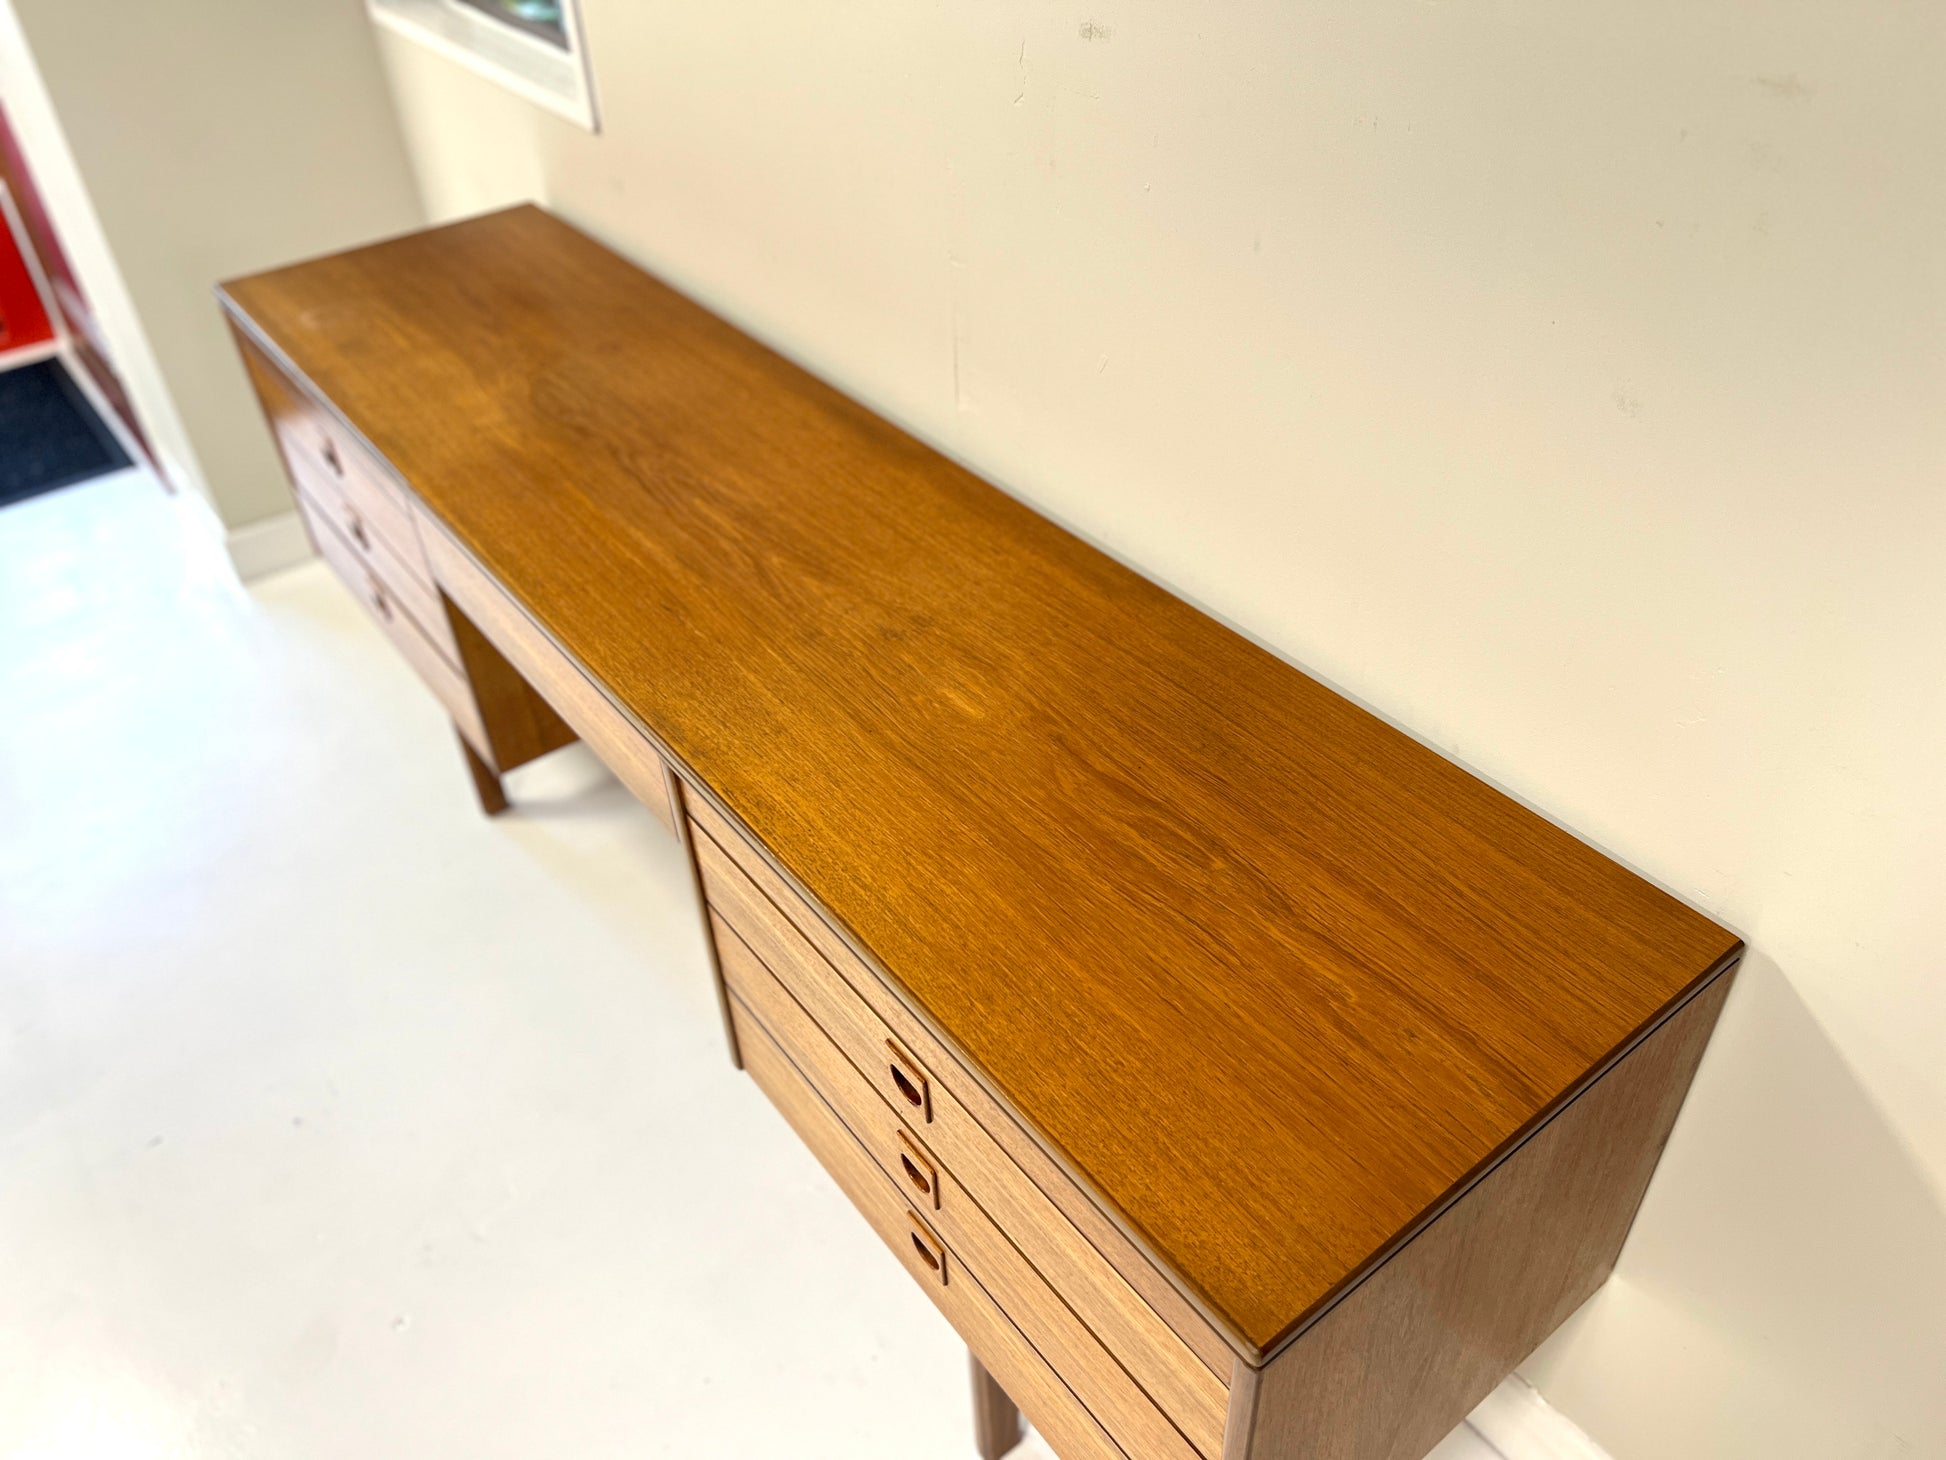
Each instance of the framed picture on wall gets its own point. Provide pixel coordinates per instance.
(534, 48)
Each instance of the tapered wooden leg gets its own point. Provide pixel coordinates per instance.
(996, 1420)
(486, 781)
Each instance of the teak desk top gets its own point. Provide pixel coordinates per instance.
(1271, 977)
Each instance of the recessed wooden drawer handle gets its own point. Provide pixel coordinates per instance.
(355, 525)
(932, 1252)
(381, 600)
(920, 1173)
(329, 451)
(910, 1081)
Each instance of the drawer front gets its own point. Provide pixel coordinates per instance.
(605, 730)
(1102, 1384)
(420, 652)
(405, 584)
(1154, 1296)
(419, 597)
(375, 505)
(888, 1058)
(954, 1288)
(350, 484)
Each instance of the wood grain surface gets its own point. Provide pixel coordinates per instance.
(554, 677)
(1100, 1377)
(776, 903)
(1274, 979)
(996, 1418)
(991, 1336)
(744, 920)
(1406, 1355)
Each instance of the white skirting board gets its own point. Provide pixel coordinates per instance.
(1521, 1425)
(261, 548)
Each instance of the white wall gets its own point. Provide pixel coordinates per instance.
(184, 143)
(1563, 381)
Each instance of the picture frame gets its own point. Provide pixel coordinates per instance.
(535, 48)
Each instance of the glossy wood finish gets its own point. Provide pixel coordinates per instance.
(1058, 1333)
(552, 674)
(996, 1419)
(377, 509)
(364, 526)
(998, 1345)
(404, 579)
(1169, 1372)
(1386, 1372)
(1271, 979)
(1089, 1255)
(324, 459)
(1163, 1074)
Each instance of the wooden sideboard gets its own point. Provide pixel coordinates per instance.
(1240, 1078)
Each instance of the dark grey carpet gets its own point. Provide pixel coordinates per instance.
(49, 435)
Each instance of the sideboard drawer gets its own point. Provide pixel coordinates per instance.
(1095, 1376)
(1131, 1274)
(408, 585)
(953, 1287)
(401, 627)
(355, 489)
(1180, 1383)
(375, 504)
(419, 597)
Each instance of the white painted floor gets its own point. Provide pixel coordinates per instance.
(336, 1120)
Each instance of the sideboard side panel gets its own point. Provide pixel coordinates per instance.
(1404, 1357)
